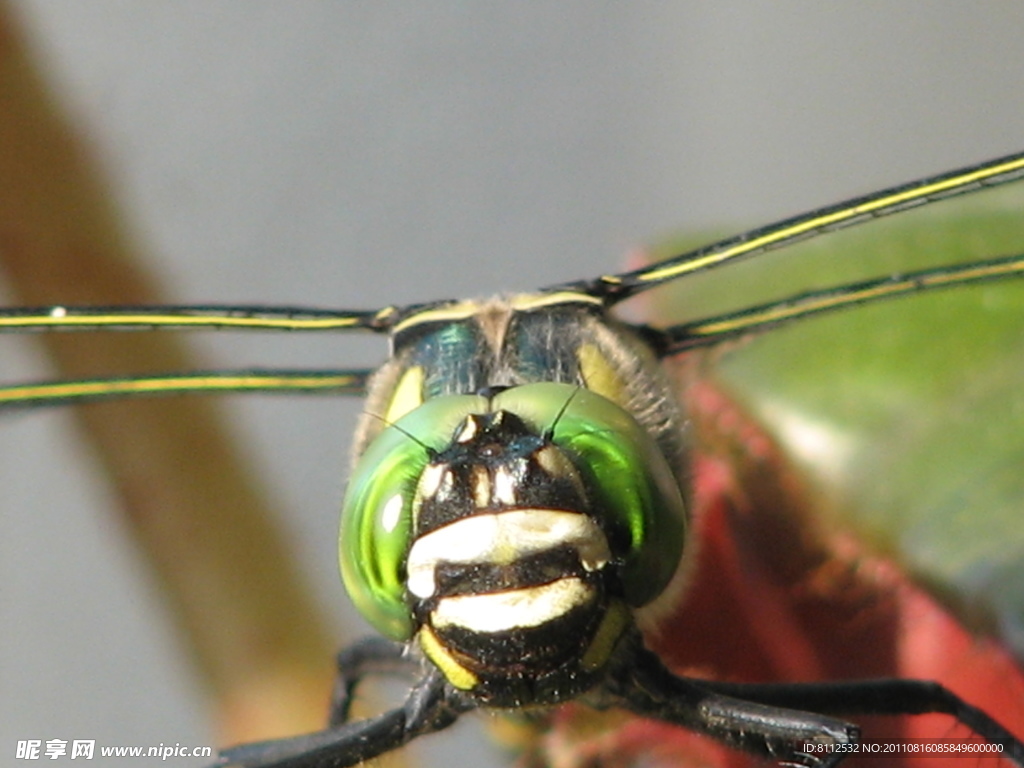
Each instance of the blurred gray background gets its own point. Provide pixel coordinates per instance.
(353, 155)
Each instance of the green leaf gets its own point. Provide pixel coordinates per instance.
(908, 414)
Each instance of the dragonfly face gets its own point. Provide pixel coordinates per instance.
(519, 497)
(511, 531)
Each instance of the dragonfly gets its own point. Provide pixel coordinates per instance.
(526, 515)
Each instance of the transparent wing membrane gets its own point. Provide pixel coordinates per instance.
(211, 317)
(206, 317)
(713, 330)
(608, 288)
(616, 288)
(336, 382)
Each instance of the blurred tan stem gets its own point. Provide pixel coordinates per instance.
(194, 510)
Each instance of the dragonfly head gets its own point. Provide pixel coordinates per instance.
(512, 535)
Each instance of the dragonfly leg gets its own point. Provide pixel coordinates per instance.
(643, 685)
(369, 656)
(886, 696)
(431, 705)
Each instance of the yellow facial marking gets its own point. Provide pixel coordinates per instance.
(504, 486)
(555, 463)
(430, 480)
(614, 623)
(456, 674)
(468, 430)
(481, 482)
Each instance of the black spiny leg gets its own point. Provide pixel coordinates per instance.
(782, 720)
(879, 697)
(644, 686)
(369, 656)
(431, 705)
(768, 720)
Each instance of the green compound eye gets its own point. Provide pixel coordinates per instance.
(636, 491)
(636, 495)
(376, 518)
